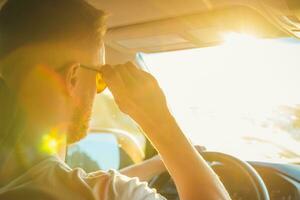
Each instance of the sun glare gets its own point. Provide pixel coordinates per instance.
(238, 38)
(50, 143)
(225, 97)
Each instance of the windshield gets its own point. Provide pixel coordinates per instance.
(239, 97)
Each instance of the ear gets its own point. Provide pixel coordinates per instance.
(71, 77)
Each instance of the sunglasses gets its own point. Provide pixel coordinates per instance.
(100, 84)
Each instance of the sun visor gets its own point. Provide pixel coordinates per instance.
(189, 31)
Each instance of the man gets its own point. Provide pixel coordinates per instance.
(50, 52)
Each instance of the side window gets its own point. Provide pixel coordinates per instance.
(95, 152)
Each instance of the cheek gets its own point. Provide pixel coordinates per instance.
(43, 96)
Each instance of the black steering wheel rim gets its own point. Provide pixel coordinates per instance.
(255, 179)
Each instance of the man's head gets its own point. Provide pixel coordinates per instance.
(41, 46)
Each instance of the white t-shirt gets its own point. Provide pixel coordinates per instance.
(52, 179)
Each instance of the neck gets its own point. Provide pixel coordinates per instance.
(43, 106)
(35, 145)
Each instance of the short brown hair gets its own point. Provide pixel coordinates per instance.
(24, 22)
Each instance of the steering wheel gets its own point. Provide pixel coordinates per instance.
(244, 168)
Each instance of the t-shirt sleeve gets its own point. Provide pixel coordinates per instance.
(125, 188)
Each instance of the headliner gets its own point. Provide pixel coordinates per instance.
(128, 12)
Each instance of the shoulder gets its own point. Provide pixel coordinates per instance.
(55, 178)
(112, 185)
(124, 188)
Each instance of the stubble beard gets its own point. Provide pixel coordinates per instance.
(79, 125)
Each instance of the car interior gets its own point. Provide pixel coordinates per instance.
(229, 70)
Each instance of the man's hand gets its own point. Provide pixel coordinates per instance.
(136, 92)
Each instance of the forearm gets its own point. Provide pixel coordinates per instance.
(138, 95)
(145, 170)
(194, 179)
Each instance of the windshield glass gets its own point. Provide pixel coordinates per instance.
(239, 97)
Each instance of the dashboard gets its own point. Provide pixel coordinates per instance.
(281, 180)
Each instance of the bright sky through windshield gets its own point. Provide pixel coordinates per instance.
(225, 96)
